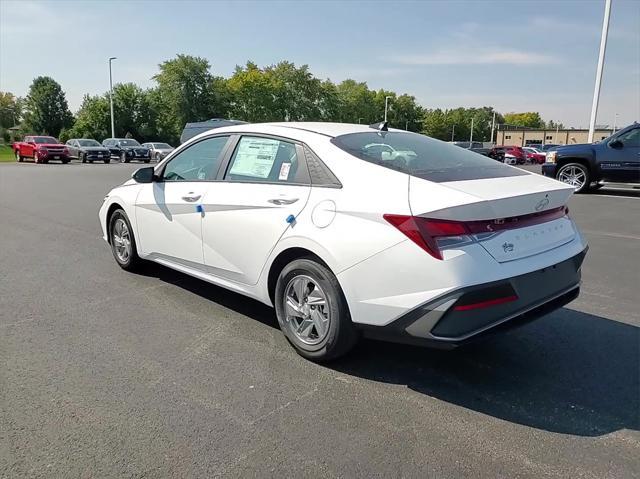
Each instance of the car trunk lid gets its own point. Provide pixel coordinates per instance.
(512, 217)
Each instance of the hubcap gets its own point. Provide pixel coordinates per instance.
(121, 240)
(574, 176)
(306, 309)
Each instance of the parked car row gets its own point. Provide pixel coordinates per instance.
(42, 149)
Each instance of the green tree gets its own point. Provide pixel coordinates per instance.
(529, 119)
(254, 95)
(46, 109)
(456, 123)
(10, 109)
(187, 92)
(93, 118)
(357, 103)
(133, 112)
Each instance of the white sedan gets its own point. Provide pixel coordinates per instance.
(344, 242)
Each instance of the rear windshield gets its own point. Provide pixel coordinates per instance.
(421, 156)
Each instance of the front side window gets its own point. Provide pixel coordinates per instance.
(128, 143)
(198, 162)
(424, 157)
(263, 160)
(631, 138)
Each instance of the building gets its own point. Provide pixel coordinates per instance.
(528, 136)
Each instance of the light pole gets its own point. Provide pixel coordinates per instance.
(386, 106)
(113, 128)
(453, 131)
(471, 135)
(615, 122)
(359, 120)
(493, 126)
(603, 48)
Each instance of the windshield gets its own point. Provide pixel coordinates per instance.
(128, 143)
(421, 156)
(44, 139)
(88, 143)
(162, 146)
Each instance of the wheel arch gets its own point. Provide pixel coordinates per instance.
(283, 259)
(573, 159)
(112, 207)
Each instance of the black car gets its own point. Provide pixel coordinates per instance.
(615, 159)
(85, 149)
(192, 129)
(127, 149)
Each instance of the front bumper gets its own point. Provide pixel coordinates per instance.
(549, 169)
(448, 321)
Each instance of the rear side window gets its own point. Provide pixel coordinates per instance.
(268, 160)
(421, 156)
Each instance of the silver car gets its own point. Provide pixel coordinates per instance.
(159, 150)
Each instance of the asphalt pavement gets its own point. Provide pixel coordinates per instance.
(105, 373)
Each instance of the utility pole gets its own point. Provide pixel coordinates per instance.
(471, 136)
(615, 123)
(453, 132)
(386, 106)
(359, 120)
(493, 125)
(603, 48)
(557, 128)
(113, 128)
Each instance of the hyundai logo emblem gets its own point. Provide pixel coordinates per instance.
(542, 204)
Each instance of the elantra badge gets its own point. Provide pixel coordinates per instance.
(507, 247)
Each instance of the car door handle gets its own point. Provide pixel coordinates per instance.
(191, 197)
(283, 201)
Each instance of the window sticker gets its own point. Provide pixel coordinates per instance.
(284, 171)
(255, 157)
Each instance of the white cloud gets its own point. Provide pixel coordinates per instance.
(477, 57)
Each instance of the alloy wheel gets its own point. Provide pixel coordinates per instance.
(574, 176)
(121, 240)
(308, 316)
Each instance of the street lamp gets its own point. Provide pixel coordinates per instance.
(386, 106)
(359, 120)
(113, 128)
(453, 131)
(603, 48)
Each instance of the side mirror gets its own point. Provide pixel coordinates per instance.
(617, 144)
(144, 175)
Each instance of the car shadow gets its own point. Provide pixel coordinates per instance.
(569, 372)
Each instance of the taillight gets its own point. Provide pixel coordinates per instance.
(434, 235)
(431, 234)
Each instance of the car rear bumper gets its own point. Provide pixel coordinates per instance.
(465, 314)
(549, 169)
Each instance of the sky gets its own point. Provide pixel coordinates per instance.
(513, 55)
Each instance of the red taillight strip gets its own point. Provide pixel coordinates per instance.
(486, 304)
(513, 222)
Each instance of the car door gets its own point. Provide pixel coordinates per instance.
(72, 146)
(621, 158)
(27, 147)
(168, 211)
(264, 185)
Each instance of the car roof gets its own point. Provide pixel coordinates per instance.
(320, 128)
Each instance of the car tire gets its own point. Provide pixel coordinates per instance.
(123, 157)
(324, 330)
(36, 158)
(65, 161)
(107, 161)
(157, 157)
(122, 241)
(19, 157)
(576, 175)
(148, 160)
